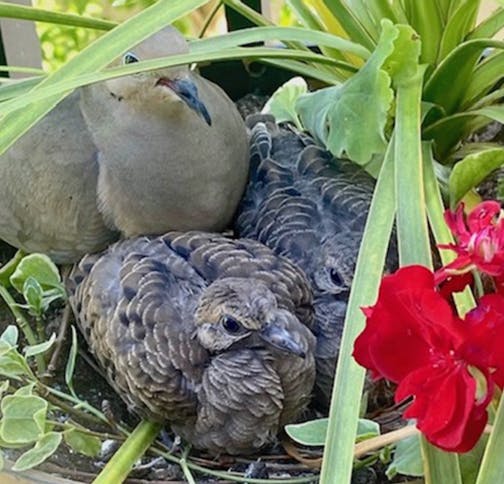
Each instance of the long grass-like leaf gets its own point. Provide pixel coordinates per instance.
(490, 26)
(486, 75)
(97, 56)
(448, 83)
(256, 34)
(355, 30)
(17, 88)
(424, 17)
(349, 380)
(457, 28)
(9, 10)
(71, 83)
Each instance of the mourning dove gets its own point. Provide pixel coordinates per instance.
(142, 154)
(203, 332)
(311, 208)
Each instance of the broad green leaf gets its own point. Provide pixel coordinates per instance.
(10, 335)
(470, 462)
(407, 458)
(43, 449)
(472, 170)
(312, 433)
(97, 56)
(282, 102)
(447, 85)
(13, 365)
(41, 347)
(367, 429)
(350, 119)
(34, 295)
(23, 418)
(25, 390)
(70, 366)
(8, 10)
(17, 87)
(4, 386)
(83, 443)
(41, 268)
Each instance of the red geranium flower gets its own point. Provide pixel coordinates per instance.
(414, 338)
(480, 239)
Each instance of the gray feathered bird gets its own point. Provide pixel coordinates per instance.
(201, 331)
(142, 154)
(311, 208)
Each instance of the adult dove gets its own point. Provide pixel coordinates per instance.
(310, 207)
(142, 154)
(201, 331)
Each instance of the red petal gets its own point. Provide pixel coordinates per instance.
(482, 215)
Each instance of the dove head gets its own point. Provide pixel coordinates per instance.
(237, 312)
(169, 87)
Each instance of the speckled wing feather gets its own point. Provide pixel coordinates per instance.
(136, 306)
(312, 208)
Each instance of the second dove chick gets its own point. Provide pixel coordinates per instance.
(203, 332)
(311, 208)
(143, 154)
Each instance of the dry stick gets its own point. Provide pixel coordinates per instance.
(60, 340)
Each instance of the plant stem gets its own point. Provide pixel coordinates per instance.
(23, 324)
(185, 468)
(118, 468)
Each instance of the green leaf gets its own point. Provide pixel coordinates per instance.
(41, 268)
(367, 429)
(34, 295)
(312, 432)
(407, 458)
(8, 10)
(40, 348)
(471, 171)
(43, 449)
(81, 442)
(282, 103)
(10, 335)
(338, 455)
(25, 390)
(13, 365)
(23, 418)
(448, 83)
(350, 119)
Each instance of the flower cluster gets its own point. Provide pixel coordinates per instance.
(414, 337)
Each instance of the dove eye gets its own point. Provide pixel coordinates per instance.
(231, 325)
(130, 58)
(335, 277)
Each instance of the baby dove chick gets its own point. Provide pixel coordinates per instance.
(203, 332)
(142, 154)
(311, 208)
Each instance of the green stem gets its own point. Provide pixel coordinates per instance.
(8, 269)
(344, 412)
(23, 324)
(413, 235)
(118, 468)
(185, 468)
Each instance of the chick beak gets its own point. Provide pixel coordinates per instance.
(280, 338)
(186, 90)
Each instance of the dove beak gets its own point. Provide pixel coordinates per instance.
(187, 91)
(280, 338)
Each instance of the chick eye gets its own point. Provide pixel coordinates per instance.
(335, 277)
(230, 324)
(130, 58)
